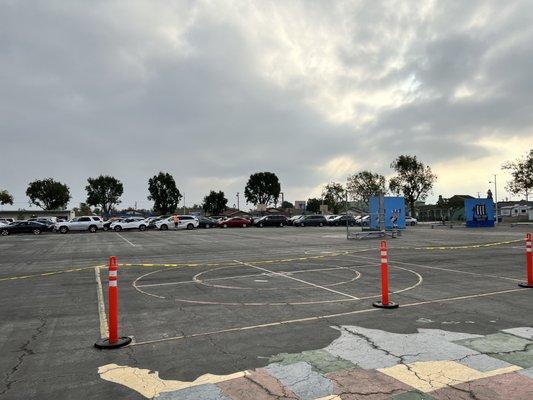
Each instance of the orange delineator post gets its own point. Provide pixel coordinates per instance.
(114, 340)
(384, 273)
(384, 303)
(113, 300)
(529, 263)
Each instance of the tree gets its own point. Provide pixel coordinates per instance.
(365, 184)
(334, 196)
(414, 180)
(83, 209)
(48, 194)
(215, 202)
(262, 188)
(287, 204)
(164, 193)
(313, 205)
(104, 192)
(522, 175)
(5, 198)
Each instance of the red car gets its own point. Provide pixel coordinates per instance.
(236, 222)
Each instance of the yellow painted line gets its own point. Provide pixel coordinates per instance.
(64, 271)
(176, 265)
(321, 317)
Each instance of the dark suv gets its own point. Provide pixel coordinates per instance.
(311, 220)
(271, 220)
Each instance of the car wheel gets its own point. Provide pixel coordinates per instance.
(207, 226)
(105, 228)
(281, 225)
(244, 225)
(302, 224)
(413, 224)
(36, 231)
(63, 229)
(261, 225)
(164, 227)
(4, 232)
(142, 228)
(117, 228)
(320, 224)
(225, 225)
(93, 229)
(190, 227)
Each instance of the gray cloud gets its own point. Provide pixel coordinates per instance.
(133, 89)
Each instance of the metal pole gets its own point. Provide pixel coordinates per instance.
(346, 213)
(496, 196)
(238, 201)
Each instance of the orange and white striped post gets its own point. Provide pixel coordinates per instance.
(113, 341)
(529, 264)
(384, 303)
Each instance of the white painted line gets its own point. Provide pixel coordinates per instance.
(394, 261)
(101, 307)
(320, 317)
(125, 239)
(298, 280)
(196, 280)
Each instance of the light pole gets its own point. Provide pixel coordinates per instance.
(495, 195)
(282, 198)
(238, 209)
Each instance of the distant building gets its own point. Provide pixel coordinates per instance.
(26, 214)
(451, 209)
(300, 205)
(514, 211)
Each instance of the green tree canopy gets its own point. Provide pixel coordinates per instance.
(414, 180)
(521, 174)
(313, 205)
(215, 202)
(334, 196)
(82, 209)
(48, 194)
(262, 188)
(104, 192)
(287, 204)
(164, 193)
(365, 184)
(5, 197)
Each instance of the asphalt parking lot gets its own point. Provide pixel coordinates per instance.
(226, 301)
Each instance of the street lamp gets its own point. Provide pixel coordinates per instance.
(237, 202)
(495, 195)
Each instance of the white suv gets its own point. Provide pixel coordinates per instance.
(185, 222)
(129, 223)
(90, 223)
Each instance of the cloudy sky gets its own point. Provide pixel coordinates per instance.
(212, 91)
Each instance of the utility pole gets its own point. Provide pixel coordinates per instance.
(495, 196)
(238, 209)
(282, 199)
(346, 214)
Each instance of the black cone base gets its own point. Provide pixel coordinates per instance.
(104, 343)
(390, 304)
(525, 284)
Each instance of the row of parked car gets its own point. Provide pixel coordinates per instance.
(188, 222)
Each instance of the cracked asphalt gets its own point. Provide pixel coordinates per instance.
(236, 317)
